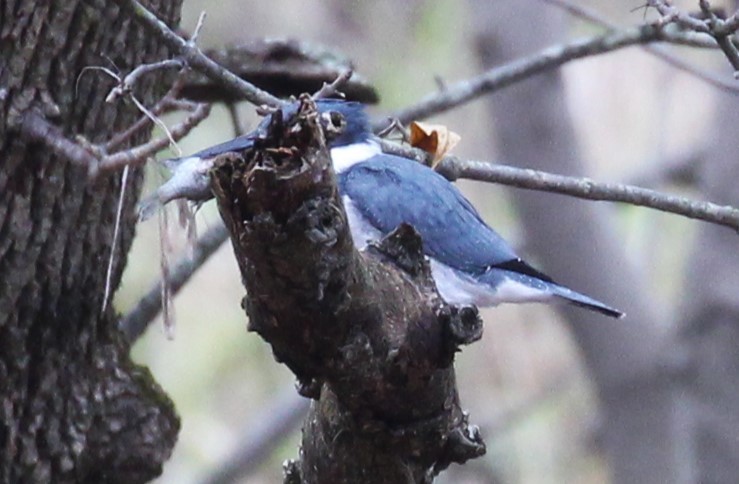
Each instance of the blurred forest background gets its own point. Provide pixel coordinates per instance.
(533, 383)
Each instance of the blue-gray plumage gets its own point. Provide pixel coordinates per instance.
(470, 262)
(390, 190)
(464, 251)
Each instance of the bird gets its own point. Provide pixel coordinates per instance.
(471, 264)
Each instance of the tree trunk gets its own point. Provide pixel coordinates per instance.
(74, 407)
(575, 241)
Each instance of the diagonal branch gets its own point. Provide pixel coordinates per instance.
(497, 78)
(195, 58)
(36, 128)
(594, 18)
(140, 153)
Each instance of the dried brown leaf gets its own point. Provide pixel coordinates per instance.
(435, 139)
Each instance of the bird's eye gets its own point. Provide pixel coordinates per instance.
(333, 123)
(337, 119)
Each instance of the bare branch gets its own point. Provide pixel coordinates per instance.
(717, 25)
(284, 67)
(463, 91)
(198, 27)
(195, 58)
(169, 101)
(36, 128)
(672, 14)
(730, 25)
(405, 151)
(140, 153)
(710, 24)
(593, 17)
(125, 85)
(328, 90)
(454, 168)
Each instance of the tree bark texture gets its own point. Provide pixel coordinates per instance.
(575, 241)
(366, 334)
(73, 407)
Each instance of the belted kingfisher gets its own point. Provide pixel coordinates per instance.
(470, 263)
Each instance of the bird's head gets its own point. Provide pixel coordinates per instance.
(354, 125)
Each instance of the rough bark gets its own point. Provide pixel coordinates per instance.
(576, 242)
(74, 407)
(366, 334)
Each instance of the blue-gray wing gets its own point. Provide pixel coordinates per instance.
(237, 144)
(389, 190)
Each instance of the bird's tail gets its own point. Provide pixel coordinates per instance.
(514, 286)
(578, 299)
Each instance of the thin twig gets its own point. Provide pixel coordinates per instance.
(672, 14)
(169, 101)
(158, 121)
(36, 128)
(114, 243)
(730, 25)
(333, 89)
(139, 154)
(87, 69)
(593, 17)
(711, 25)
(724, 41)
(125, 88)
(454, 168)
(198, 27)
(195, 58)
(125, 85)
(460, 92)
